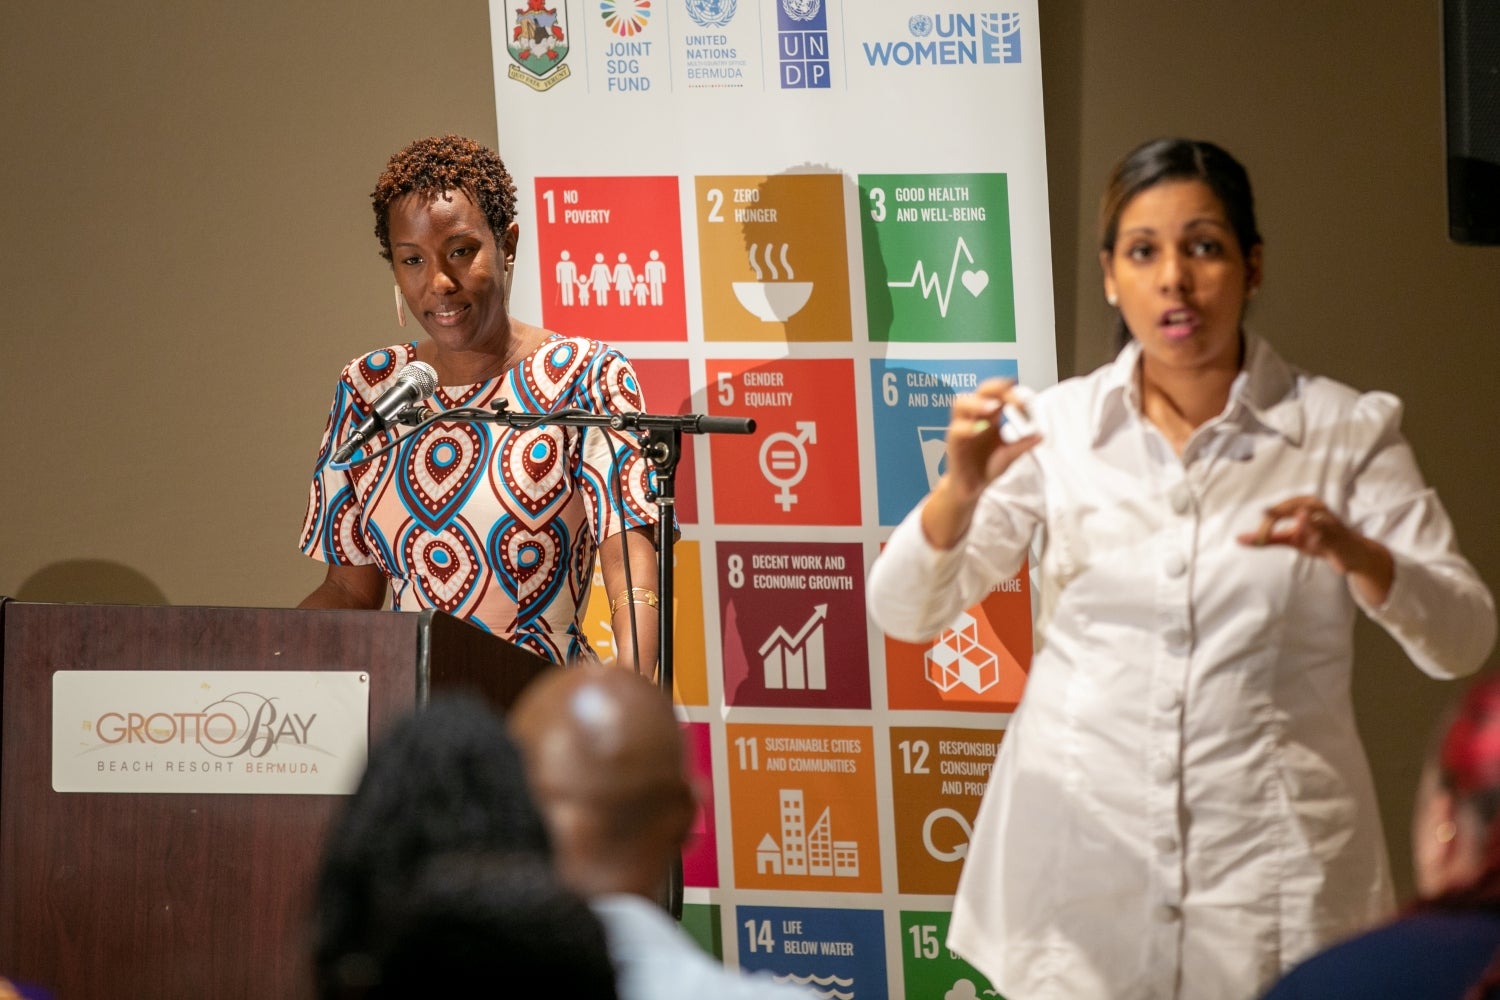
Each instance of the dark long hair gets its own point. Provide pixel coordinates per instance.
(1161, 160)
(1468, 763)
(446, 779)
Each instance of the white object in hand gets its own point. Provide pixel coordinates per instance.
(1017, 415)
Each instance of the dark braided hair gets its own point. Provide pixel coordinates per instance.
(1468, 761)
(446, 163)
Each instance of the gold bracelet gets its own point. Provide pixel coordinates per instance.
(635, 595)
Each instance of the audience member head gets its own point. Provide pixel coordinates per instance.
(446, 779)
(1455, 836)
(505, 923)
(604, 755)
(1173, 160)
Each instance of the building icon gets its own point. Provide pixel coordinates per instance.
(803, 851)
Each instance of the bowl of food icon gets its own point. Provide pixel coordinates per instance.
(773, 301)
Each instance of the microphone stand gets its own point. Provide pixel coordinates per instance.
(660, 437)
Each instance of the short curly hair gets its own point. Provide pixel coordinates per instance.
(445, 163)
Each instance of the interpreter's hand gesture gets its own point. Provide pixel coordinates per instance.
(976, 455)
(1306, 524)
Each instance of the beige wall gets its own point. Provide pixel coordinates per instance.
(187, 259)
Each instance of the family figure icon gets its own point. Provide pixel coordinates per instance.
(576, 286)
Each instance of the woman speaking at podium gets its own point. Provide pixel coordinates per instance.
(495, 525)
(1181, 807)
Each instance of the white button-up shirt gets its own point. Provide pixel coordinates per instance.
(1181, 806)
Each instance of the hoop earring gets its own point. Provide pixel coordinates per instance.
(400, 307)
(510, 272)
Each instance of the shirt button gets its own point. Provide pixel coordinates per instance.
(1180, 498)
(1168, 700)
(1164, 770)
(1167, 913)
(1165, 843)
(1175, 565)
(1178, 639)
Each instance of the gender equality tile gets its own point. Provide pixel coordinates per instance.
(938, 776)
(772, 259)
(801, 466)
(912, 403)
(929, 970)
(802, 808)
(937, 257)
(792, 618)
(610, 257)
(834, 953)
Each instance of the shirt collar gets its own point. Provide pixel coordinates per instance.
(1265, 390)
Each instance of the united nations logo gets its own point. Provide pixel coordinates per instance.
(711, 13)
(920, 25)
(802, 10)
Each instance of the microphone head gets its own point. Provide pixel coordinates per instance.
(422, 377)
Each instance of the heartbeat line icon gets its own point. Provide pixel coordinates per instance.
(931, 284)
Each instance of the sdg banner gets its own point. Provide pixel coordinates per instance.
(831, 217)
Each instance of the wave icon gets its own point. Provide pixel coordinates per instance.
(828, 987)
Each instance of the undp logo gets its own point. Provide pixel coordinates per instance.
(711, 13)
(802, 44)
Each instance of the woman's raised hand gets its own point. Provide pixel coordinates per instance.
(977, 453)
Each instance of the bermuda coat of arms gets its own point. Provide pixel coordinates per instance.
(538, 43)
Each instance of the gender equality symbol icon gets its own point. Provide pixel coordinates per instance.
(783, 460)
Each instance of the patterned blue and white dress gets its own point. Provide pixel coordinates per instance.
(495, 526)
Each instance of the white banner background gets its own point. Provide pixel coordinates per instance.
(634, 127)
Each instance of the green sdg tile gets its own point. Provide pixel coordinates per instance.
(937, 255)
(702, 922)
(929, 969)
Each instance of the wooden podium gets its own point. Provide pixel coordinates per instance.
(191, 895)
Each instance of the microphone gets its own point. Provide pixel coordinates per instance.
(414, 383)
(688, 423)
(700, 423)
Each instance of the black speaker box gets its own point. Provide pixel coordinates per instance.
(1471, 95)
